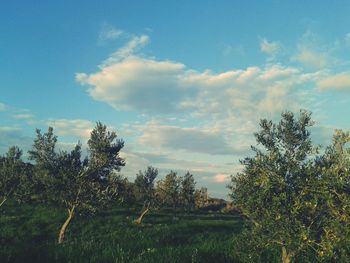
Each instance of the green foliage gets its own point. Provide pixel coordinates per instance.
(68, 180)
(104, 151)
(201, 197)
(14, 176)
(168, 190)
(144, 184)
(283, 193)
(43, 152)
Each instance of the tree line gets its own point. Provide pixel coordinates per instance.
(70, 180)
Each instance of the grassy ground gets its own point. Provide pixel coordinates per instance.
(28, 233)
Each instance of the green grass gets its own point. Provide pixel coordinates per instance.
(28, 233)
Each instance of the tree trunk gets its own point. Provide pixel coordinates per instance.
(139, 220)
(3, 201)
(286, 257)
(65, 225)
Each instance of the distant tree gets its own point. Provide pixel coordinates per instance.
(144, 190)
(201, 197)
(282, 192)
(127, 192)
(77, 183)
(168, 190)
(144, 184)
(188, 191)
(13, 174)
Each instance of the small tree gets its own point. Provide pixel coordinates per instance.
(188, 190)
(281, 191)
(13, 173)
(144, 190)
(201, 197)
(77, 183)
(168, 190)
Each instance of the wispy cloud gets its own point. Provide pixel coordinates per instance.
(79, 128)
(271, 48)
(188, 139)
(2, 107)
(108, 33)
(131, 47)
(336, 82)
(347, 39)
(311, 58)
(313, 53)
(24, 116)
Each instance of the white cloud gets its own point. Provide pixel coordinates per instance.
(136, 84)
(313, 53)
(311, 58)
(108, 33)
(335, 82)
(270, 48)
(24, 116)
(134, 45)
(188, 139)
(79, 128)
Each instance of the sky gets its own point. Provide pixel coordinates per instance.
(183, 83)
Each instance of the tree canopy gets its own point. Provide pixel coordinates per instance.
(283, 190)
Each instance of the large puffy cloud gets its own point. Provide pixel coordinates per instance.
(128, 81)
(136, 83)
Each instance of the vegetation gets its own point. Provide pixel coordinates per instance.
(294, 200)
(290, 203)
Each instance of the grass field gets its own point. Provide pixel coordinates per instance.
(28, 233)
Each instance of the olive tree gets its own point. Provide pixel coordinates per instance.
(72, 181)
(144, 190)
(13, 175)
(281, 191)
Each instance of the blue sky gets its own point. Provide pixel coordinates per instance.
(184, 83)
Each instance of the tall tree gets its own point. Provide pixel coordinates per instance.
(280, 190)
(144, 190)
(188, 190)
(73, 182)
